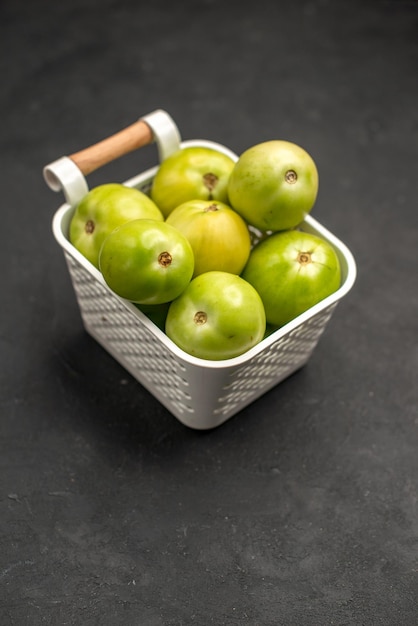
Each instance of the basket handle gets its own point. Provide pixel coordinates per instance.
(68, 173)
(135, 136)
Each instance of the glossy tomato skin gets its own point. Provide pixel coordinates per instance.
(146, 261)
(218, 235)
(292, 271)
(104, 208)
(218, 316)
(274, 185)
(191, 173)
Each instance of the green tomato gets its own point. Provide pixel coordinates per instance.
(218, 316)
(218, 235)
(189, 174)
(146, 261)
(104, 208)
(292, 271)
(274, 185)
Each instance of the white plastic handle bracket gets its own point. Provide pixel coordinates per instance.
(165, 132)
(64, 175)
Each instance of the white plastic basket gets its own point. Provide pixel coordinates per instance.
(202, 394)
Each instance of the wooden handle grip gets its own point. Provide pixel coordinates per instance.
(134, 136)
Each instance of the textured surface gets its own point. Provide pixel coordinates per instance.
(302, 510)
(200, 396)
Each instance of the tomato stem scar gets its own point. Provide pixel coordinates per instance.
(200, 318)
(291, 177)
(211, 207)
(165, 259)
(89, 227)
(210, 180)
(304, 258)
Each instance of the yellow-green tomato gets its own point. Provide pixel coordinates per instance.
(218, 316)
(274, 185)
(191, 173)
(104, 208)
(218, 235)
(292, 271)
(146, 261)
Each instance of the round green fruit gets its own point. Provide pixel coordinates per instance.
(292, 271)
(218, 235)
(104, 208)
(218, 316)
(146, 261)
(191, 173)
(274, 185)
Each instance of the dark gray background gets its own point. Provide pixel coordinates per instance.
(302, 509)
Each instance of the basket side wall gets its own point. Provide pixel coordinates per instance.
(200, 397)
